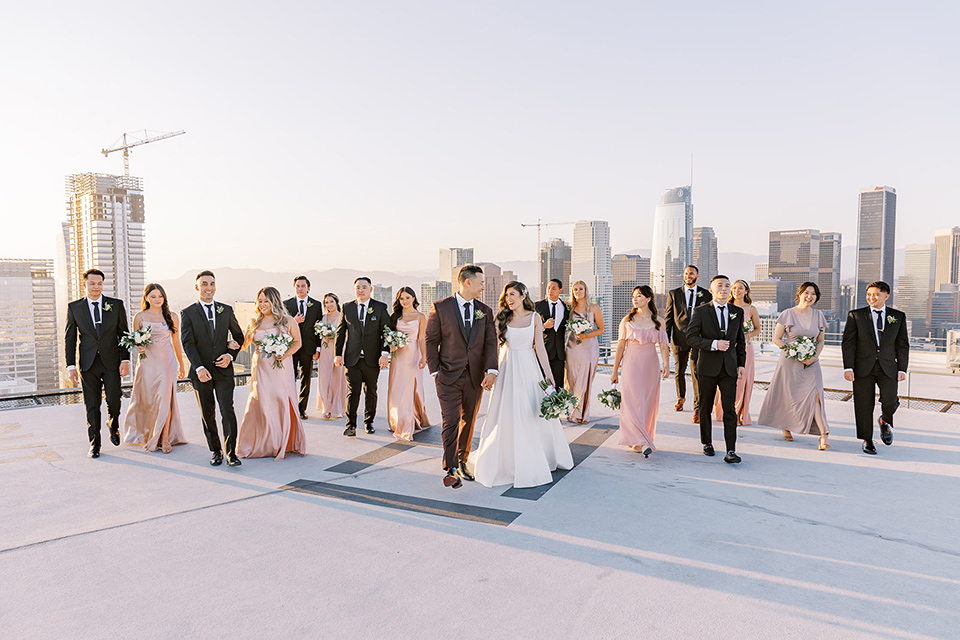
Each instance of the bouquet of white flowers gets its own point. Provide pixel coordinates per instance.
(803, 348)
(325, 330)
(578, 326)
(133, 340)
(274, 346)
(610, 398)
(393, 338)
(560, 402)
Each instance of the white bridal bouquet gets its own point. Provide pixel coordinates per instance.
(325, 330)
(610, 398)
(578, 326)
(560, 402)
(274, 346)
(133, 340)
(802, 348)
(394, 339)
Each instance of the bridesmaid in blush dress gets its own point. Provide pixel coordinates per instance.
(271, 425)
(331, 380)
(740, 297)
(794, 401)
(583, 351)
(639, 335)
(153, 416)
(406, 409)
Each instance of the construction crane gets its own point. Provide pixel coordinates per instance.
(122, 144)
(539, 224)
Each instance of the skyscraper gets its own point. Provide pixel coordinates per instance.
(672, 239)
(828, 278)
(947, 242)
(104, 230)
(915, 287)
(430, 292)
(876, 227)
(761, 271)
(629, 271)
(794, 255)
(705, 252)
(494, 279)
(28, 327)
(453, 258)
(590, 262)
(554, 263)
(384, 295)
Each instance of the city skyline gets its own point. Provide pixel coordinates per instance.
(414, 122)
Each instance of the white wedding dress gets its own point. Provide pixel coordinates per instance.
(517, 446)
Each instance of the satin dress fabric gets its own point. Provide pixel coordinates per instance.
(582, 360)
(153, 400)
(331, 379)
(406, 409)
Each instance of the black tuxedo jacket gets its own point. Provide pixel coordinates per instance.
(860, 349)
(352, 338)
(704, 328)
(676, 317)
(555, 340)
(201, 349)
(113, 324)
(313, 313)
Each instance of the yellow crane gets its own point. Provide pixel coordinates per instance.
(124, 144)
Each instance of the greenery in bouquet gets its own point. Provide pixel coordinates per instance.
(559, 402)
(133, 340)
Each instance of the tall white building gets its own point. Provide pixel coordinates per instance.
(672, 239)
(916, 286)
(28, 327)
(705, 252)
(452, 258)
(876, 231)
(590, 261)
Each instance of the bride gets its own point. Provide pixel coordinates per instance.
(517, 446)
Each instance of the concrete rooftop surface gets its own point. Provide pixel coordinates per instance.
(360, 539)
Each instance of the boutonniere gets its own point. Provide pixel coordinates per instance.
(479, 315)
(219, 309)
(890, 319)
(309, 304)
(107, 306)
(699, 294)
(733, 316)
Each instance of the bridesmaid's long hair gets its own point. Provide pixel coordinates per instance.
(279, 311)
(336, 300)
(504, 313)
(647, 293)
(586, 297)
(746, 296)
(164, 308)
(398, 308)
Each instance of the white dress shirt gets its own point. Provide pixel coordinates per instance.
(686, 298)
(93, 319)
(212, 309)
(473, 318)
(873, 323)
(558, 316)
(722, 314)
(366, 312)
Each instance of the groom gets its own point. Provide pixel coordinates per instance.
(462, 357)
(204, 329)
(876, 350)
(100, 322)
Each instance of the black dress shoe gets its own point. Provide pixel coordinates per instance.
(731, 457)
(463, 473)
(708, 450)
(233, 460)
(869, 448)
(350, 432)
(94, 451)
(217, 458)
(115, 437)
(886, 432)
(451, 480)
(303, 416)
(369, 428)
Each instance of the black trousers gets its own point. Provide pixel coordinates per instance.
(864, 400)
(218, 391)
(680, 356)
(726, 384)
(303, 369)
(99, 381)
(557, 367)
(365, 376)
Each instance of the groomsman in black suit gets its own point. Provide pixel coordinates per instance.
(100, 322)
(361, 348)
(680, 305)
(555, 313)
(716, 331)
(306, 311)
(876, 351)
(206, 328)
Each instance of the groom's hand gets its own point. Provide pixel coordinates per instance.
(338, 361)
(383, 362)
(124, 369)
(488, 381)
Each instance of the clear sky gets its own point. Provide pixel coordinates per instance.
(367, 134)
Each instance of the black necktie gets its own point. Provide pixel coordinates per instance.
(553, 314)
(96, 316)
(879, 325)
(363, 316)
(723, 320)
(213, 325)
(466, 316)
(690, 304)
(301, 309)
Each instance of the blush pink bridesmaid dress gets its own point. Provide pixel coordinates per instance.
(582, 360)
(331, 380)
(640, 385)
(406, 409)
(744, 384)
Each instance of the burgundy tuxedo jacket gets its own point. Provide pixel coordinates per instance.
(451, 349)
